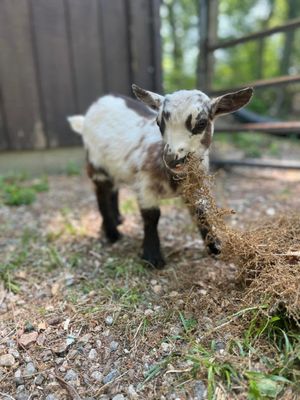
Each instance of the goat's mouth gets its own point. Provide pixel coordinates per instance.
(177, 163)
(174, 166)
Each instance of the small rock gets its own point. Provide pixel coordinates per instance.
(113, 345)
(109, 320)
(157, 289)
(71, 375)
(148, 312)
(51, 397)
(28, 339)
(14, 353)
(39, 379)
(99, 344)
(199, 391)
(114, 373)
(7, 360)
(153, 282)
(132, 394)
(28, 327)
(271, 211)
(165, 347)
(97, 376)
(18, 377)
(30, 369)
(118, 397)
(93, 354)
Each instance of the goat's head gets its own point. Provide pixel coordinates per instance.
(186, 117)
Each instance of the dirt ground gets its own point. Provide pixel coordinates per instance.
(81, 319)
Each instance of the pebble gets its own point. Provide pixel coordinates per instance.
(7, 360)
(39, 380)
(18, 377)
(109, 320)
(71, 375)
(118, 397)
(14, 353)
(113, 345)
(97, 376)
(148, 312)
(153, 282)
(132, 394)
(51, 397)
(165, 347)
(30, 369)
(157, 289)
(114, 373)
(199, 391)
(93, 354)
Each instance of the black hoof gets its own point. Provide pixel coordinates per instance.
(154, 261)
(113, 236)
(120, 219)
(214, 248)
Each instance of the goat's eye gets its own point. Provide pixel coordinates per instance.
(200, 126)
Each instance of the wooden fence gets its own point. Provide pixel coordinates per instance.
(209, 42)
(58, 56)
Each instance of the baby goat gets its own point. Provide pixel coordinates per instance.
(125, 141)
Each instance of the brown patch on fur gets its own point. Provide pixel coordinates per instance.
(207, 136)
(154, 165)
(91, 170)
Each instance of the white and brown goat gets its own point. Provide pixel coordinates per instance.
(125, 141)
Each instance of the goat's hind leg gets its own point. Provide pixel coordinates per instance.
(104, 193)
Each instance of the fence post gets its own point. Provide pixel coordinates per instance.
(208, 31)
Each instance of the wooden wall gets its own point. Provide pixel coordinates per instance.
(58, 56)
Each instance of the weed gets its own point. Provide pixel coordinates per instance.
(128, 206)
(16, 191)
(73, 169)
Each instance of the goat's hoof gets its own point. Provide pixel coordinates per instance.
(113, 236)
(214, 248)
(154, 261)
(120, 219)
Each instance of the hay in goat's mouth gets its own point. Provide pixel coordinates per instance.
(267, 256)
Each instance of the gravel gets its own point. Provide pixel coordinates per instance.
(71, 375)
(7, 360)
(114, 373)
(93, 354)
(109, 320)
(113, 345)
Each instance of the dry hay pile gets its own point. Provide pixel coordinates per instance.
(268, 256)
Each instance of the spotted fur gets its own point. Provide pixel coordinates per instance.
(125, 140)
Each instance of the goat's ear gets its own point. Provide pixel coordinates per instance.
(231, 102)
(153, 100)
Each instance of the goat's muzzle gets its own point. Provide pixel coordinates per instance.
(174, 165)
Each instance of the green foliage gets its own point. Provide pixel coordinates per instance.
(73, 169)
(16, 190)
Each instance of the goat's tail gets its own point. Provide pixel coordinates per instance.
(76, 122)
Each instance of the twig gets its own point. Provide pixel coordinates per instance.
(109, 383)
(69, 388)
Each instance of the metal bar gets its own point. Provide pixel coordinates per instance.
(248, 162)
(282, 80)
(272, 127)
(292, 24)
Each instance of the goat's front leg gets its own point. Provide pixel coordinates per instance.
(212, 242)
(151, 244)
